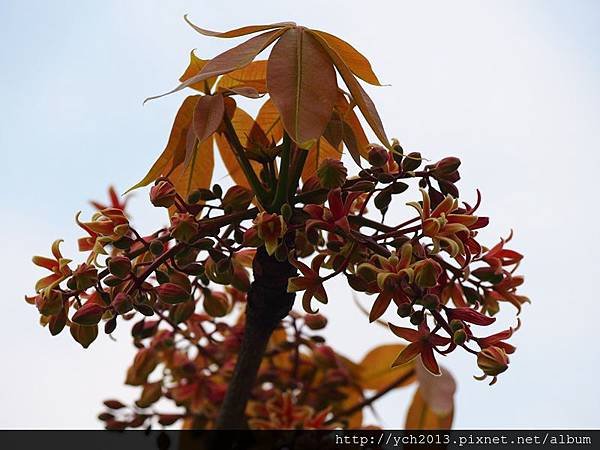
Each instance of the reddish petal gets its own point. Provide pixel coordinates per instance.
(405, 333)
(429, 361)
(408, 354)
(380, 306)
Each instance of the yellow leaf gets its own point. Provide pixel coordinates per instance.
(197, 173)
(376, 370)
(353, 396)
(269, 120)
(253, 75)
(356, 62)
(321, 150)
(194, 67)
(175, 144)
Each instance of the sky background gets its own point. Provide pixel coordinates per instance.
(510, 87)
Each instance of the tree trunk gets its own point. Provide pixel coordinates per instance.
(268, 303)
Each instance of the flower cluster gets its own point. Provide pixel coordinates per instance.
(294, 219)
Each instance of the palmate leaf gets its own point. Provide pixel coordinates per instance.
(230, 60)
(208, 115)
(302, 84)
(194, 67)
(197, 171)
(375, 370)
(346, 112)
(356, 62)
(164, 163)
(320, 151)
(243, 31)
(269, 120)
(363, 101)
(253, 75)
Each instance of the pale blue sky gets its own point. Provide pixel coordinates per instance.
(510, 87)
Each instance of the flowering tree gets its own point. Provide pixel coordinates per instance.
(238, 355)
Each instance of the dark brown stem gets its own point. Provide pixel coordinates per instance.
(268, 303)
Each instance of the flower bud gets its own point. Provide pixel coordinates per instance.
(378, 156)
(331, 173)
(194, 197)
(157, 247)
(456, 325)
(85, 276)
(182, 311)
(459, 337)
(430, 301)
(183, 227)
(89, 314)
(315, 321)
(49, 303)
(404, 309)
(270, 228)
(417, 317)
(237, 198)
(411, 162)
(216, 304)
(172, 293)
(162, 194)
(492, 360)
(445, 166)
(119, 266)
(122, 303)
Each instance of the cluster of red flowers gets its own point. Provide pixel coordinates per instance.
(295, 201)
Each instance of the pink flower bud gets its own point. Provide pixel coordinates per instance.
(492, 360)
(88, 314)
(119, 266)
(162, 194)
(172, 293)
(378, 156)
(122, 303)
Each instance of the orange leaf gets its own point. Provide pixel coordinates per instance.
(242, 123)
(230, 60)
(178, 134)
(198, 170)
(320, 151)
(356, 62)
(253, 75)
(347, 114)
(269, 120)
(376, 372)
(194, 67)
(302, 84)
(238, 31)
(363, 101)
(208, 115)
(354, 396)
